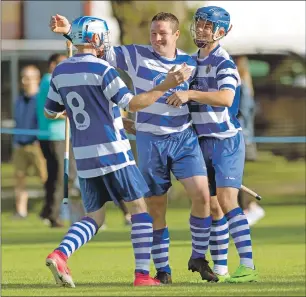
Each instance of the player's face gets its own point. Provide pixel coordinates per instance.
(204, 30)
(30, 78)
(162, 37)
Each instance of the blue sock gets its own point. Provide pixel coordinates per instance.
(218, 245)
(78, 234)
(160, 250)
(240, 232)
(142, 237)
(200, 231)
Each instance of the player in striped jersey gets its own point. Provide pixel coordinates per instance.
(165, 140)
(90, 92)
(213, 102)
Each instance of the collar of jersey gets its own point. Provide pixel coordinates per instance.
(214, 50)
(164, 58)
(83, 55)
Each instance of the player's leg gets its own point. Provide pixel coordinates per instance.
(94, 195)
(48, 150)
(21, 195)
(229, 165)
(157, 206)
(152, 160)
(189, 168)
(219, 235)
(219, 240)
(129, 184)
(125, 212)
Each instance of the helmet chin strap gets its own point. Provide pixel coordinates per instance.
(202, 43)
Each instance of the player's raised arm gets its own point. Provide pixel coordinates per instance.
(59, 24)
(173, 79)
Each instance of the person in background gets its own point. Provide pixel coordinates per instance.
(247, 110)
(52, 146)
(251, 208)
(26, 152)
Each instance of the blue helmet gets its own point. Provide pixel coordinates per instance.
(83, 29)
(219, 18)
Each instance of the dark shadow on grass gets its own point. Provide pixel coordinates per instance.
(273, 235)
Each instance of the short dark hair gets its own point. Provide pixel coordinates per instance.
(167, 17)
(54, 58)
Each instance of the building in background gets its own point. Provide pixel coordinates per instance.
(27, 39)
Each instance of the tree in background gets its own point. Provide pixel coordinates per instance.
(134, 18)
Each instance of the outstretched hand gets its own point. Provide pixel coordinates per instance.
(59, 24)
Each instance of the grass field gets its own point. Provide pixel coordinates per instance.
(104, 267)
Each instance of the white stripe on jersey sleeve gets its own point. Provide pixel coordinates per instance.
(125, 101)
(50, 112)
(113, 87)
(54, 96)
(227, 81)
(111, 57)
(229, 71)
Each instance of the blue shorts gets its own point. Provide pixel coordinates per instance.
(158, 155)
(224, 159)
(124, 184)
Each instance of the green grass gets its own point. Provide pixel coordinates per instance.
(105, 265)
(277, 180)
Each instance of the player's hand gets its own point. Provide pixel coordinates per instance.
(129, 126)
(175, 78)
(59, 24)
(178, 98)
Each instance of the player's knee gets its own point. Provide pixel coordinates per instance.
(200, 197)
(215, 208)
(228, 198)
(98, 216)
(157, 206)
(136, 206)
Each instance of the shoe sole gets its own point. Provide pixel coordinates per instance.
(60, 279)
(146, 285)
(208, 277)
(243, 279)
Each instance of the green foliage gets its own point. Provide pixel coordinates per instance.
(134, 18)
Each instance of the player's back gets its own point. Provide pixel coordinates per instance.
(90, 89)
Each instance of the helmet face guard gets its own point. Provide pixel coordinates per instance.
(198, 25)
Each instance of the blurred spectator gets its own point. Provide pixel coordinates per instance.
(27, 152)
(247, 110)
(53, 147)
(252, 210)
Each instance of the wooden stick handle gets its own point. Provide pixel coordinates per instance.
(249, 191)
(67, 140)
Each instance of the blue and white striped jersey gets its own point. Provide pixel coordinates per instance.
(148, 69)
(91, 91)
(216, 72)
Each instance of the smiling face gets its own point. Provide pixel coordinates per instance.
(203, 32)
(163, 37)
